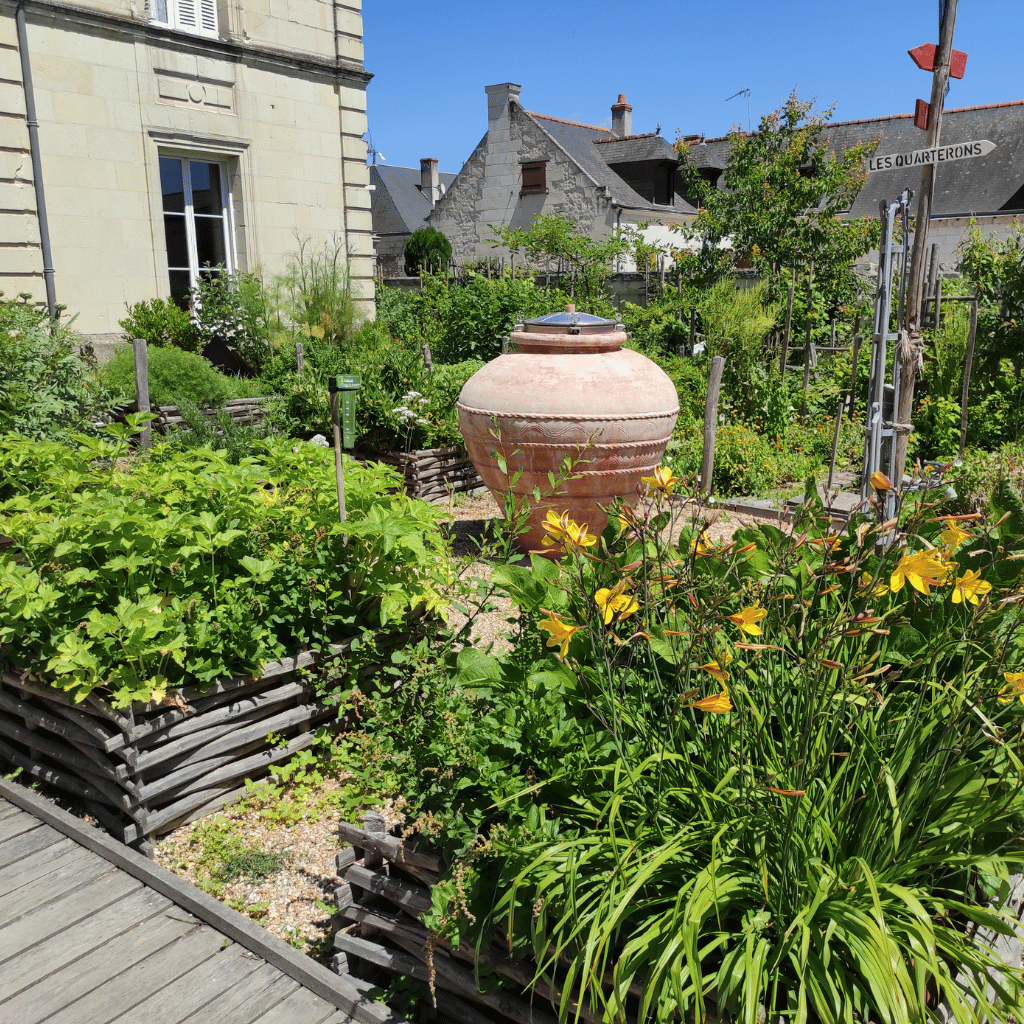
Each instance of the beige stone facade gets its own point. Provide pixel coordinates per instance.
(272, 93)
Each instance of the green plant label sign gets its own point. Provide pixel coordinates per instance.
(347, 385)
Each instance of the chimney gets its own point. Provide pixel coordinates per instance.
(498, 98)
(430, 184)
(622, 118)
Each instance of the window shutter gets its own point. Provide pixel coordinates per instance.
(187, 15)
(208, 16)
(533, 177)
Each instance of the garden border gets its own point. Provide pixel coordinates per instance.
(432, 474)
(152, 767)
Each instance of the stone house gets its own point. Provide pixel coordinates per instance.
(401, 200)
(530, 164)
(175, 134)
(987, 189)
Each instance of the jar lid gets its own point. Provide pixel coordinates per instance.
(571, 322)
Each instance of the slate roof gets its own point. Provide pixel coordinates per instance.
(586, 145)
(397, 205)
(985, 186)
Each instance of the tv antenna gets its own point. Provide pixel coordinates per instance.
(372, 152)
(742, 92)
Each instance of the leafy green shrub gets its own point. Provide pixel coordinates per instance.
(160, 323)
(236, 307)
(130, 576)
(317, 298)
(782, 774)
(426, 249)
(219, 433)
(47, 389)
(175, 376)
(746, 463)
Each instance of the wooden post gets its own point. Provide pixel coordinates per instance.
(338, 468)
(854, 354)
(912, 318)
(707, 466)
(933, 269)
(968, 362)
(807, 339)
(938, 303)
(141, 355)
(785, 335)
(835, 445)
(428, 359)
(300, 362)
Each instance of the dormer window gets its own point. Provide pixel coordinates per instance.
(196, 16)
(535, 176)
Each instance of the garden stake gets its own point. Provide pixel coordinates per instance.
(971, 333)
(142, 387)
(300, 362)
(707, 466)
(807, 338)
(835, 444)
(785, 337)
(339, 471)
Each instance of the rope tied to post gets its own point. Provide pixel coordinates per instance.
(910, 350)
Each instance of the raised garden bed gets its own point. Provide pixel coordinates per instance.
(434, 473)
(385, 890)
(147, 769)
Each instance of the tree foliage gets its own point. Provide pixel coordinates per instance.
(427, 249)
(783, 197)
(587, 260)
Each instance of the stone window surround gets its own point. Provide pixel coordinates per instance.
(230, 154)
(197, 17)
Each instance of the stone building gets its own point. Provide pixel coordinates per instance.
(177, 134)
(530, 164)
(401, 200)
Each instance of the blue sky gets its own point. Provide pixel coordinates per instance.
(676, 62)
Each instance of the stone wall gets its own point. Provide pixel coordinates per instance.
(279, 98)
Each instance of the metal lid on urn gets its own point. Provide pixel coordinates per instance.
(570, 321)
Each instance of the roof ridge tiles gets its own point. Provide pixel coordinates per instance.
(575, 124)
(625, 138)
(890, 117)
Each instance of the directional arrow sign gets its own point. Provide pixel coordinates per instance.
(935, 155)
(924, 57)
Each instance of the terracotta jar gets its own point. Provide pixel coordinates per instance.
(566, 387)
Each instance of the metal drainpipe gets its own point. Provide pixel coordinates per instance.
(37, 167)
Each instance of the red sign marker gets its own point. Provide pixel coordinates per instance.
(921, 115)
(924, 57)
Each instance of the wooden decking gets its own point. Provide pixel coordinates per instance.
(92, 932)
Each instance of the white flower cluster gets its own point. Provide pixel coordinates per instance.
(407, 415)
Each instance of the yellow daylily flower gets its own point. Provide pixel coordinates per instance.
(662, 480)
(616, 603)
(872, 587)
(560, 633)
(1014, 687)
(921, 570)
(748, 618)
(566, 533)
(717, 670)
(717, 704)
(880, 482)
(969, 586)
(952, 536)
(830, 542)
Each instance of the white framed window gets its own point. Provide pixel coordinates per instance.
(197, 221)
(198, 16)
